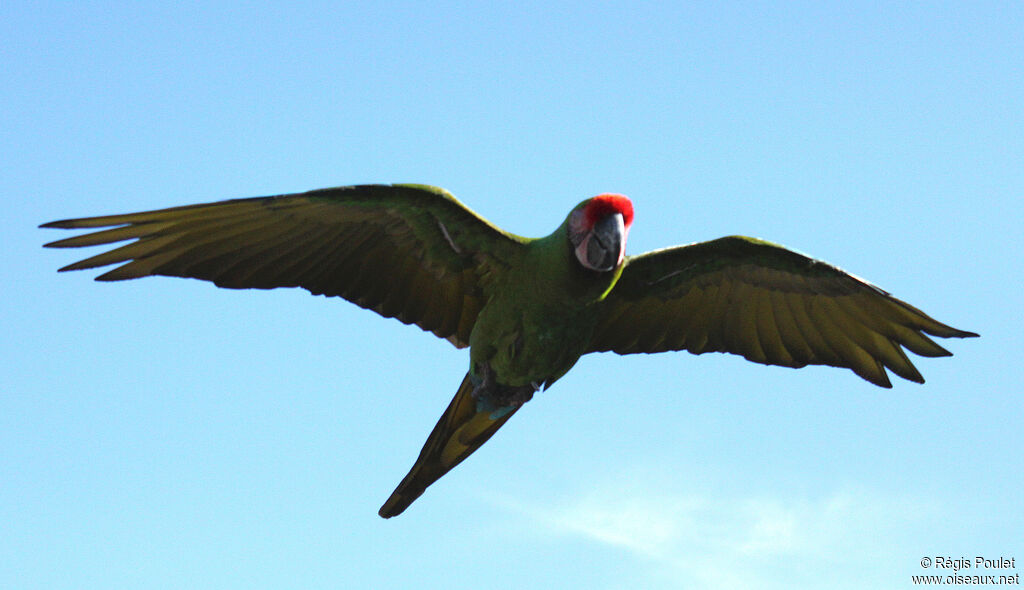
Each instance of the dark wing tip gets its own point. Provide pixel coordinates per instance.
(936, 328)
(916, 378)
(81, 223)
(62, 243)
(62, 224)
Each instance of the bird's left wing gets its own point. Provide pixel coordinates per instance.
(767, 303)
(410, 252)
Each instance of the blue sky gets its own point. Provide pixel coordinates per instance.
(164, 433)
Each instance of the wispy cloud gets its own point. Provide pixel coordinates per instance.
(843, 538)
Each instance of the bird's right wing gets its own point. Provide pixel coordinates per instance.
(767, 303)
(410, 252)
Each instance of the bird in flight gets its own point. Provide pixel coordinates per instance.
(527, 308)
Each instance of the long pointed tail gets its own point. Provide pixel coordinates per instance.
(460, 431)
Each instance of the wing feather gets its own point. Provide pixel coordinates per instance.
(767, 303)
(789, 331)
(768, 331)
(821, 348)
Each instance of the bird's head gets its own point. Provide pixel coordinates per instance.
(597, 231)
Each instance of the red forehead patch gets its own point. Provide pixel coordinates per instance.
(607, 204)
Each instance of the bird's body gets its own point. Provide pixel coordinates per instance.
(526, 308)
(540, 318)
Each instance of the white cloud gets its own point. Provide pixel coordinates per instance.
(843, 538)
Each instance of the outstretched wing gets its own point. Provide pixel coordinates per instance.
(410, 252)
(771, 305)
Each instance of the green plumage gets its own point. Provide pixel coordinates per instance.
(527, 308)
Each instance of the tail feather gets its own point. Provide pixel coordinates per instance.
(460, 431)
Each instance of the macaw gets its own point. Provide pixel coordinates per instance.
(527, 308)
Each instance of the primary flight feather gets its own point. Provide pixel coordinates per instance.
(527, 308)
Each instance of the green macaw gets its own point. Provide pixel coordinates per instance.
(526, 308)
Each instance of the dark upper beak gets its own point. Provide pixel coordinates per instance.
(606, 243)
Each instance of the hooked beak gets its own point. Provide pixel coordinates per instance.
(605, 246)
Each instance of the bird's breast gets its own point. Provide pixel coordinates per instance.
(528, 343)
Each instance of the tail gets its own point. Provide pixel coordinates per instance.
(459, 432)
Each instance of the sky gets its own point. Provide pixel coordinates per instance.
(164, 433)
